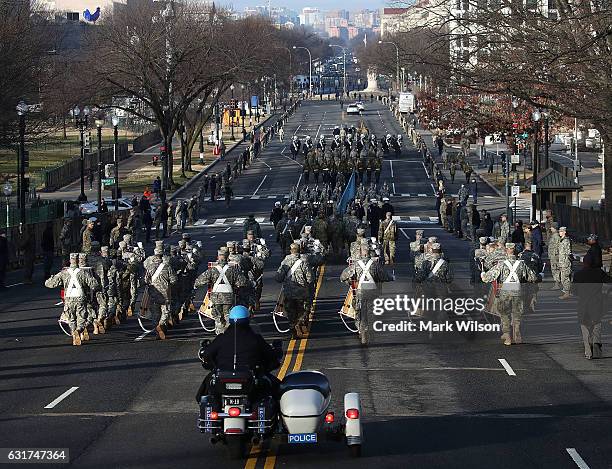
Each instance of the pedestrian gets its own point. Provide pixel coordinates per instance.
(229, 193)
(206, 184)
(491, 160)
(281, 134)
(4, 257)
(594, 253)
(565, 263)
(28, 246)
(213, 187)
(474, 191)
(157, 187)
(587, 286)
(453, 170)
(147, 221)
(48, 247)
(468, 172)
(518, 236)
(536, 238)
(90, 178)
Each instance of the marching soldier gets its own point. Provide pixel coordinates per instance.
(65, 239)
(368, 277)
(159, 278)
(511, 273)
(101, 265)
(565, 263)
(416, 247)
(250, 224)
(534, 262)
(224, 281)
(553, 254)
(387, 235)
(116, 234)
(75, 283)
(319, 229)
(88, 235)
(296, 275)
(435, 275)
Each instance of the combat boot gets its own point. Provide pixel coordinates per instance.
(76, 338)
(130, 312)
(506, 338)
(161, 332)
(101, 329)
(516, 332)
(565, 296)
(117, 319)
(107, 323)
(85, 334)
(96, 331)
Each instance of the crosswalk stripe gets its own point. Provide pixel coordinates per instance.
(219, 221)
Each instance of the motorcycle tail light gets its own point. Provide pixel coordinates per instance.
(234, 411)
(214, 415)
(352, 414)
(329, 417)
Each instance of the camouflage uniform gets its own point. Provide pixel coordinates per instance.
(116, 234)
(296, 275)
(553, 257)
(159, 278)
(76, 283)
(565, 264)
(319, 230)
(510, 299)
(335, 232)
(101, 265)
(222, 289)
(435, 275)
(387, 235)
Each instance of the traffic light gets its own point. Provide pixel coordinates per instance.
(233, 103)
(86, 140)
(109, 170)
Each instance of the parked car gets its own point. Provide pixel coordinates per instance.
(352, 109)
(88, 208)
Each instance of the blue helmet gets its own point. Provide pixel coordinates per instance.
(238, 313)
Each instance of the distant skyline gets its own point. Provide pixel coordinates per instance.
(297, 5)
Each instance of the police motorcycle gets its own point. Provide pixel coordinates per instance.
(385, 144)
(397, 145)
(239, 408)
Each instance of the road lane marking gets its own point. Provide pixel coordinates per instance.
(393, 184)
(299, 179)
(220, 221)
(61, 397)
(59, 304)
(283, 150)
(227, 229)
(507, 366)
(391, 166)
(426, 172)
(260, 184)
(142, 336)
(577, 458)
(403, 231)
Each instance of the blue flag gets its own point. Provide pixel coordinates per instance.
(347, 195)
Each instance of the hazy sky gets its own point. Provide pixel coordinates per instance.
(321, 4)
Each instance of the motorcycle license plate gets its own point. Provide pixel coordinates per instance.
(232, 401)
(301, 438)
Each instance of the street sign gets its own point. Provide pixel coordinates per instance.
(577, 166)
(108, 181)
(534, 189)
(516, 190)
(515, 159)
(406, 102)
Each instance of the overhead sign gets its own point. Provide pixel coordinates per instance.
(406, 102)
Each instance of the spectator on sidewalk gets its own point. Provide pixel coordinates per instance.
(587, 285)
(518, 236)
(146, 194)
(439, 144)
(206, 184)
(594, 253)
(537, 240)
(281, 134)
(157, 187)
(468, 173)
(103, 208)
(171, 218)
(453, 170)
(213, 187)
(48, 247)
(491, 162)
(222, 148)
(147, 221)
(474, 190)
(4, 258)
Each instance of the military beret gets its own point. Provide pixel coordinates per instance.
(420, 232)
(436, 246)
(510, 245)
(563, 228)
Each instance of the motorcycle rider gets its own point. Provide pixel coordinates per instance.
(239, 347)
(295, 147)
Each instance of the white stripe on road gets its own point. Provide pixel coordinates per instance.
(415, 218)
(260, 184)
(283, 150)
(391, 166)
(59, 304)
(227, 229)
(142, 336)
(61, 397)
(260, 219)
(219, 221)
(404, 233)
(422, 195)
(426, 172)
(239, 220)
(577, 459)
(393, 184)
(299, 179)
(15, 284)
(507, 366)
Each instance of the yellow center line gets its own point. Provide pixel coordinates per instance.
(271, 458)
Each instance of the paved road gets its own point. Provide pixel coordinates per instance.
(445, 401)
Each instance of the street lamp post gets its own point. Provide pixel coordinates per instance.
(515, 104)
(99, 124)
(243, 110)
(22, 108)
(535, 116)
(397, 73)
(310, 62)
(343, 63)
(232, 112)
(115, 122)
(82, 122)
(8, 190)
